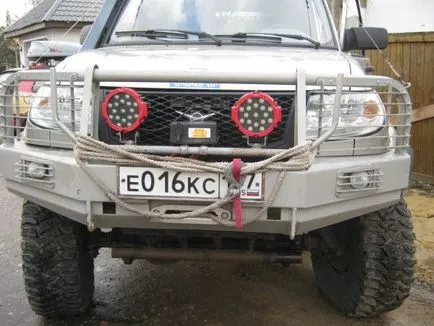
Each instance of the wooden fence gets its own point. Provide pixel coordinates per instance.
(412, 54)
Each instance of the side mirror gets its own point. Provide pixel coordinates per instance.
(84, 32)
(365, 38)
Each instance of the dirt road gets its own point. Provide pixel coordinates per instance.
(209, 294)
(421, 204)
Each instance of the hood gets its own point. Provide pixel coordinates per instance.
(212, 59)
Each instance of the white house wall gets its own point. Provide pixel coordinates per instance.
(400, 16)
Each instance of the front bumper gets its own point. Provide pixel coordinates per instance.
(306, 201)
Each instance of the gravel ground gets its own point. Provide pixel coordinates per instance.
(208, 294)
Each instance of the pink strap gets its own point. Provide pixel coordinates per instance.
(237, 210)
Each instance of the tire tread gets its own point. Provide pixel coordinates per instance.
(383, 273)
(57, 267)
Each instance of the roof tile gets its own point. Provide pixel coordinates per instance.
(59, 11)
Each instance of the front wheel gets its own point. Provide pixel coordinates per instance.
(57, 266)
(365, 266)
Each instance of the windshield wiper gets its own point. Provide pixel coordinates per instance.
(170, 33)
(274, 37)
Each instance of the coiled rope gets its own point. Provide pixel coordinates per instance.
(297, 158)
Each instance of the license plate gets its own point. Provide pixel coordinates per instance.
(157, 182)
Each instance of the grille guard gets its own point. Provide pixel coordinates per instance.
(395, 98)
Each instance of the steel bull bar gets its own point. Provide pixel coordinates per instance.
(93, 76)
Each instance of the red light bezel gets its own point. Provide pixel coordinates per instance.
(141, 106)
(277, 113)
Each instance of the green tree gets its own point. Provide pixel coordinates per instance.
(7, 51)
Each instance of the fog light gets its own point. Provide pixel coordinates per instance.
(36, 170)
(124, 110)
(256, 114)
(359, 180)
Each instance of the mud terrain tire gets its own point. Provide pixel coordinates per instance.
(58, 268)
(370, 268)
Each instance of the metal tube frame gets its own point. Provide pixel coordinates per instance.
(93, 76)
(6, 110)
(202, 255)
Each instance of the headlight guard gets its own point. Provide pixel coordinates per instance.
(361, 114)
(40, 112)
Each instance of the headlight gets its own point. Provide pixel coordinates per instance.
(40, 110)
(360, 114)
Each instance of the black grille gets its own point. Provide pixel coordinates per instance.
(166, 106)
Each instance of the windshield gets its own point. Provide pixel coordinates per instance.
(306, 18)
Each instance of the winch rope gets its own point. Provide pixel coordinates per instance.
(297, 158)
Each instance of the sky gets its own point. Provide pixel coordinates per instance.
(17, 8)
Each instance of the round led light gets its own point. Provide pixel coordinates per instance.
(124, 110)
(262, 116)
